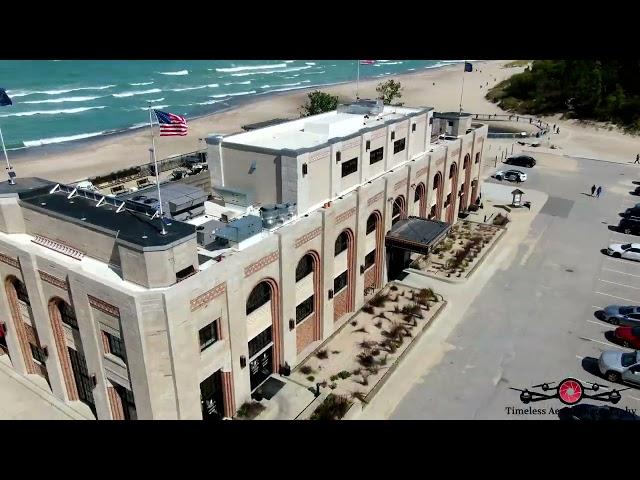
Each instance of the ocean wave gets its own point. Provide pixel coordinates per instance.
(55, 92)
(309, 63)
(410, 69)
(267, 72)
(289, 61)
(155, 107)
(286, 89)
(47, 141)
(286, 84)
(199, 87)
(141, 83)
(179, 72)
(313, 73)
(50, 112)
(251, 67)
(64, 99)
(155, 100)
(221, 95)
(238, 83)
(392, 63)
(136, 92)
(210, 102)
(138, 125)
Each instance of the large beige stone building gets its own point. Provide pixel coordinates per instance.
(135, 323)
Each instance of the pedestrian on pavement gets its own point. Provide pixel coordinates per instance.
(558, 131)
(637, 158)
(593, 190)
(598, 191)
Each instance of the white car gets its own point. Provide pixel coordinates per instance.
(629, 251)
(511, 175)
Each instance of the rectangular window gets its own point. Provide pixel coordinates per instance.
(208, 335)
(68, 315)
(304, 309)
(413, 127)
(37, 353)
(304, 169)
(450, 124)
(128, 402)
(338, 157)
(259, 341)
(370, 259)
(376, 155)
(349, 167)
(340, 282)
(398, 146)
(431, 121)
(393, 135)
(368, 145)
(116, 346)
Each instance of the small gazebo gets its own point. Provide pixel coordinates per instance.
(517, 197)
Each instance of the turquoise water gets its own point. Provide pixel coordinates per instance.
(57, 101)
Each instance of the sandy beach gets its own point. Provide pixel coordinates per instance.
(439, 88)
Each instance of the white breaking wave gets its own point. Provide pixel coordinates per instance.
(286, 84)
(251, 67)
(50, 112)
(266, 72)
(64, 99)
(56, 92)
(138, 92)
(179, 72)
(138, 125)
(238, 83)
(156, 100)
(393, 63)
(309, 63)
(199, 87)
(155, 106)
(411, 69)
(313, 73)
(141, 83)
(210, 102)
(289, 61)
(233, 94)
(46, 141)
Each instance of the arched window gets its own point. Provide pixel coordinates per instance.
(260, 295)
(452, 170)
(372, 223)
(396, 209)
(416, 196)
(305, 267)
(67, 314)
(342, 242)
(21, 291)
(478, 157)
(436, 181)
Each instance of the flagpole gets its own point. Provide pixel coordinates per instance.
(358, 80)
(11, 181)
(155, 165)
(462, 90)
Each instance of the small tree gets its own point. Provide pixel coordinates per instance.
(389, 91)
(319, 102)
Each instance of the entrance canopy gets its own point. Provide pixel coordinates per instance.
(416, 234)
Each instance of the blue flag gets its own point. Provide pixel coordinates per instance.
(4, 98)
(468, 67)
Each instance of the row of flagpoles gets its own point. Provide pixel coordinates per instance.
(169, 124)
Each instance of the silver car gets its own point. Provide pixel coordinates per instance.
(620, 367)
(627, 316)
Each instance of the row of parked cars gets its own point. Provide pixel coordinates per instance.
(618, 366)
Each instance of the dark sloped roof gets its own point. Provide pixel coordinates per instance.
(417, 234)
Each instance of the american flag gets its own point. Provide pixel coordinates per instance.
(367, 62)
(171, 124)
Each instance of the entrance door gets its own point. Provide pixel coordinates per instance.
(261, 367)
(398, 260)
(211, 397)
(81, 376)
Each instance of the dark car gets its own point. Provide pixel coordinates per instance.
(629, 225)
(521, 161)
(632, 212)
(588, 412)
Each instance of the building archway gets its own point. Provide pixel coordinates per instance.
(399, 209)
(372, 267)
(466, 166)
(344, 281)
(438, 186)
(24, 326)
(265, 348)
(309, 309)
(420, 198)
(77, 381)
(453, 181)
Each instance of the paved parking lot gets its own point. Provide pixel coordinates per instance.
(534, 322)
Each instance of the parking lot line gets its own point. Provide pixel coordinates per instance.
(603, 343)
(597, 323)
(622, 273)
(615, 296)
(619, 260)
(596, 306)
(619, 284)
(638, 399)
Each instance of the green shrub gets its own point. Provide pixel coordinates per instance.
(250, 410)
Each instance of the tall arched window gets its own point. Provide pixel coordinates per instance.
(372, 222)
(305, 267)
(260, 295)
(342, 242)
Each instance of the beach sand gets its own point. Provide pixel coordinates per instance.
(438, 88)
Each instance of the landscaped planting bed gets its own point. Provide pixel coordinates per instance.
(464, 246)
(354, 360)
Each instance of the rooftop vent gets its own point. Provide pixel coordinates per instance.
(362, 107)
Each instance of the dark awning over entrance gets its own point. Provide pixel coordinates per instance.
(417, 234)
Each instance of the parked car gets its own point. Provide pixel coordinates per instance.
(521, 161)
(637, 190)
(630, 251)
(632, 212)
(511, 175)
(629, 225)
(628, 336)
(587, 412)
(626, 316)
(620, 367)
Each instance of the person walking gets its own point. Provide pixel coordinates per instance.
(593, 190)
(637, 158)
(598, 191)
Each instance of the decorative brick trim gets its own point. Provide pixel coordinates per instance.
(345, 215)
(260, 264)
(375, 198)
(377, 134)
(115, 402)
(422, 171)
(314, 157)
(400, 184)
(307, 237)
(105, 342)
(104, 306)
(206, 297)
(58, 247)
(351, 144)
(229, 403)
(55, 281)
(14, 262)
